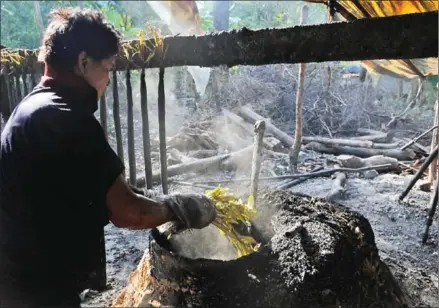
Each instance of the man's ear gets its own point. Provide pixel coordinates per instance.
(82, 61)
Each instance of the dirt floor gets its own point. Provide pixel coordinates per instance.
(398, 229)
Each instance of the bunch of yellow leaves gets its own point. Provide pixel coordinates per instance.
(230, 211)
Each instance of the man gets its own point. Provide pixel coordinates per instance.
(60, 181)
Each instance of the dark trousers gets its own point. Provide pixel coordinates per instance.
(36, 296)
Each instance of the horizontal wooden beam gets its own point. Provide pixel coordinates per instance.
(397, 37)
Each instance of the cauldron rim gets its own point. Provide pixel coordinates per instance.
(163, 244)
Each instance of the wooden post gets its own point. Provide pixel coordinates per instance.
(33, 80)
(431, 212)
(116, 117)
(432, 170)
(103, 114)
(25, 87)
(5, 96)
(434, 198)
(294, 151)
(145, 131)
(17, 87)
(433, 155)
(162, 132)
(256, 161)
(12, 92)
(130, 119)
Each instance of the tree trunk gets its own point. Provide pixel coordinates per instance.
(350, 142)
(361, 152)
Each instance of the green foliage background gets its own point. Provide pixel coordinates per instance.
(19, 27)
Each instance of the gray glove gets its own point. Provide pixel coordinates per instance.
(193, 211)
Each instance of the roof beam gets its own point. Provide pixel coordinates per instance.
(397, 37)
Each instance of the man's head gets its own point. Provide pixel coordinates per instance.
(81, 42)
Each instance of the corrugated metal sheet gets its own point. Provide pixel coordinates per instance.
(412, 68)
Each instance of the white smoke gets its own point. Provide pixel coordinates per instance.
(182, 27)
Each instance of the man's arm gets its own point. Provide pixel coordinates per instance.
(133, 211)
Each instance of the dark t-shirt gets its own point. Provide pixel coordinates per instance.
(55, 170)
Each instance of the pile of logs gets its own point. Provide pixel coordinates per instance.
(226, 143)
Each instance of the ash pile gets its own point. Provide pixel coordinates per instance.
(314, 253)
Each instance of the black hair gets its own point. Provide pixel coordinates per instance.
(73, 30)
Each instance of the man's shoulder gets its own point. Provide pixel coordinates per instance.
(42, 101)
(44, 107)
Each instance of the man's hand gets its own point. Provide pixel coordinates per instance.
(193, 211)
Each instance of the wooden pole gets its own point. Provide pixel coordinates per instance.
(419, 173)
(145, 131)
(162, 131)
(5, 97)
(256, 161)
(295, 149)
(12, 93)
(432, 170)
(310, 175)
(18, 86)
(25, 87)
(130, 119)
(103, 114)
(33, 80)
(116, 118)
(431, 212)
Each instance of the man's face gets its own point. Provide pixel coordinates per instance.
(97, 73)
